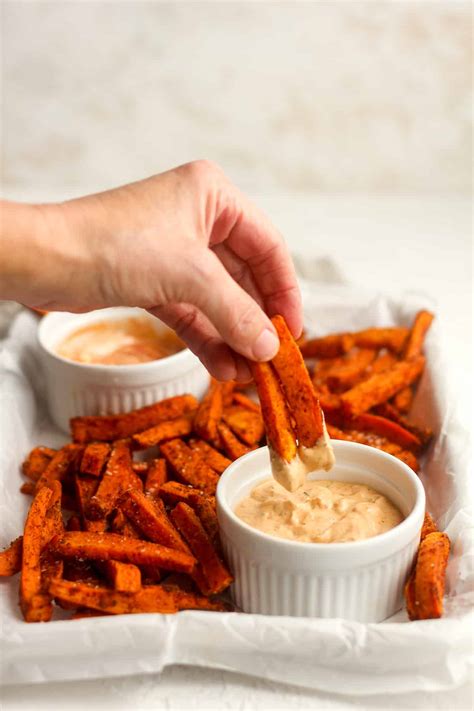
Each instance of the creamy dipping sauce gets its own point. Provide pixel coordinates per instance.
(120, 342)
(320, 511)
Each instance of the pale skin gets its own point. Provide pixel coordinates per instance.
(186, 244)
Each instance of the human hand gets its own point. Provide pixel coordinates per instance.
(187, 246)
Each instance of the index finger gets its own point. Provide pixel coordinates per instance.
(257, 241)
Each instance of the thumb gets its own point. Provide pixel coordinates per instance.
(239, 320)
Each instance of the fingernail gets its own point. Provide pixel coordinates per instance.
(266, 345)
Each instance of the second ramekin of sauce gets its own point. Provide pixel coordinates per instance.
(356, 579)
(113, 360)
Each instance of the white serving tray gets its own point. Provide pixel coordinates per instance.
(338, 656)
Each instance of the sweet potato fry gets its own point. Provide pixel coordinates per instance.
(328, 346)
(209, 413)
(376, 441)
(347, 374)
(425, 588)
(115, 480)
(231, 445)
(217, 577)
(392, 338)
(381, 386)
(140, 468)
(60, 466)
(124, 577)
(37, 461)
(246, 424)
(384, 361)
(111, 546)
(85, 487)
(188, 466)
(429, 526)
(385, 428)
(170, 429)
(297, 386)
(387, 410)
(186, 600)
(211, 456)
(35, 606)
(113, 427)
(10, 558)
(418, 331)
(206, 512)
(172, 492)
(403, 399)
(150, 518)
(148, 599)
(83, 612)
(280, 434)
(28, 488)
(244, 401)
(94, 458)
(156, 477)
(53, 520)
(74, 524)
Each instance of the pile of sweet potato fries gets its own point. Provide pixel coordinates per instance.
(112, 532)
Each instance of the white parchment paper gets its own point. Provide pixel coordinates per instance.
(337, 656)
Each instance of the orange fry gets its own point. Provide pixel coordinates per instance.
(10, 558)
(115, 480)
(148, 599)
(63, 462)
(216, 576)
(172, 492)
(231, 445)
(381, 386)
(150, 517)
(280, 434)
(35, 606)
(94, 458)
(392, 338)
(384, 361)
(244, 401)
(112, 427)
(348, 373)
(170, 429)
(188, 466)
(124, 577)
(328, 346)
(429, 526)
(211, 456)
(155, 477)
(111, 546)
(297, 386)
(246, 424)
(425, 588)
(385, 428)
(375, 441)
(418, 331)
(403, 399)
(206, 513)
(209, 413)
(37, 461)
(387, 410)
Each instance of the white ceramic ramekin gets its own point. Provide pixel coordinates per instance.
(360, 580)
(76, 389)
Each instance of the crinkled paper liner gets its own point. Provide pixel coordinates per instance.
(331, 655)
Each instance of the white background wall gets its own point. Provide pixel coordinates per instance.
(286, 96)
